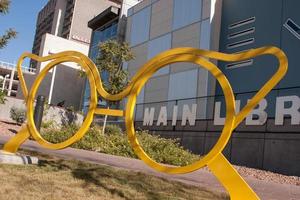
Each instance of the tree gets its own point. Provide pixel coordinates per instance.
(10, 33)
(112, 54)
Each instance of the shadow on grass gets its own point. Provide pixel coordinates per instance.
(13, 131)
(139, 183)
(55, 165)
(99, 177)
(83, 171)
(125, 184)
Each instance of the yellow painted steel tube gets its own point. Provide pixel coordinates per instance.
(218, 164)
(229, 121)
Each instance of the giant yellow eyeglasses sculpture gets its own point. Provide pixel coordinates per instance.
(214, 160)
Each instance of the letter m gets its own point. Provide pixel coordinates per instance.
(148, 117)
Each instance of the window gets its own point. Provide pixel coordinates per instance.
(183, 85)
(86, 97)
(157, 46)
(186, 12)
(114, 28)
(104, 33)
(140, 97)
(205, 35)
(140, 27)
(99, 35)
(94, 53)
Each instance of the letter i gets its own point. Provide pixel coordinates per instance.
(175, 113)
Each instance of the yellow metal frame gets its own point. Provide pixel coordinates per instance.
(216, 162)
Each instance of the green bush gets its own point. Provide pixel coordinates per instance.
(18, 114)
(162, 150)
(47, 124)
(112, 129)
(166, 151)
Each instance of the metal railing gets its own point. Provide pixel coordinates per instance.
(7, 65)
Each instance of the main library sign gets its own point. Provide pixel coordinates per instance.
(285, 106)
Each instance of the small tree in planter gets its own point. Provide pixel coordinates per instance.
(112, 54)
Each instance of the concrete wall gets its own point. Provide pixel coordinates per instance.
(84, 11)
(52, 44)
(73, 86)
(261, 147)
(58, 20)
(29, 79)
(67, 85)
(55, 114)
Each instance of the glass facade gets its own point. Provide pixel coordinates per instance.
(140, 28)
(186, 13)
(205, 34)
(171, 24)
(183, 85)
(157, 46)
(99, 35)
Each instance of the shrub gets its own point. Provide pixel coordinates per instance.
(162, 150)
(18, 114)
(166, 151)
(48, 124)
(112, 129)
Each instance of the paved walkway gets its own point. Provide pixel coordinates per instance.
(265, 190)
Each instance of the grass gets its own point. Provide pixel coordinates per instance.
(55, 178)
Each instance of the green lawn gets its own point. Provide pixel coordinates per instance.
(56, 179)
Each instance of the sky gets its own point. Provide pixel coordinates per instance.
(22, 17)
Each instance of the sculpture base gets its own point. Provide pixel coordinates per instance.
(15, 159)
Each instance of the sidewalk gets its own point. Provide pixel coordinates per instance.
(265, 190)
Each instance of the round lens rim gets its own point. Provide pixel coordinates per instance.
(161, 61)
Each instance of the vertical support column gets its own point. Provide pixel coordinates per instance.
(38, 111)
(12, 75)
(52, 85)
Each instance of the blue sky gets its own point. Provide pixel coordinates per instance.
(22, 16)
